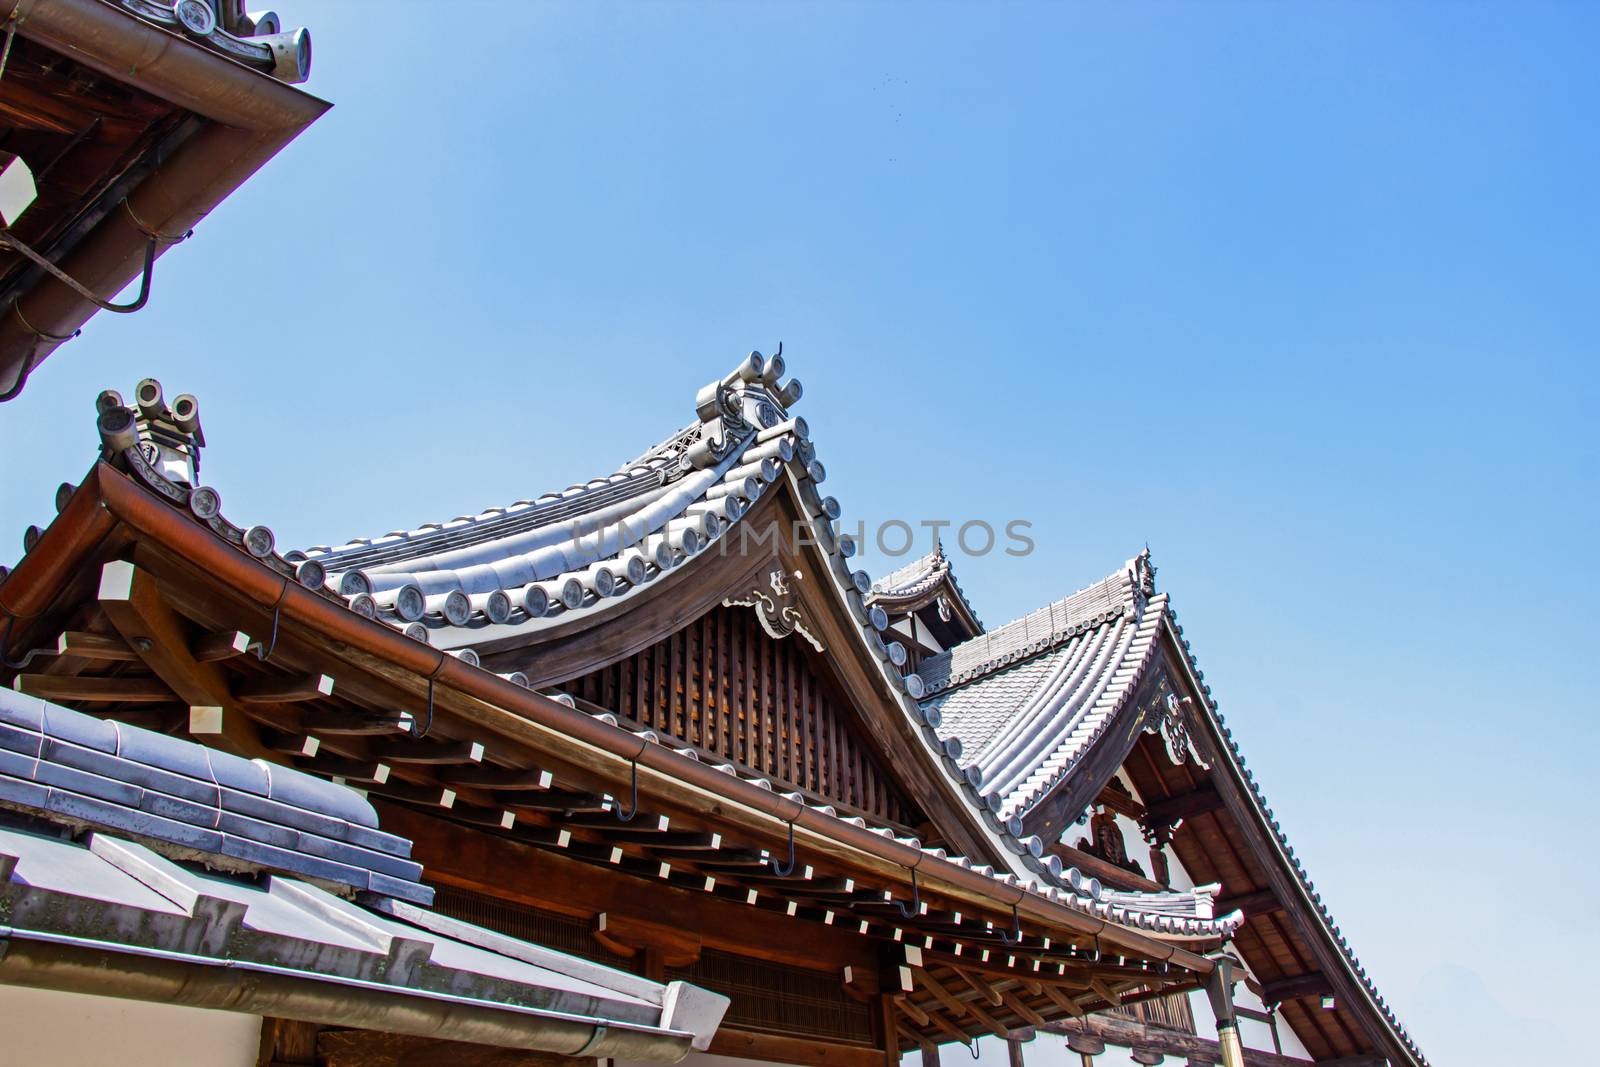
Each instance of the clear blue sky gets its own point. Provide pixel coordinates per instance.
(1305, 295)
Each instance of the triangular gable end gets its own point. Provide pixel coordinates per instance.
(1065, 709)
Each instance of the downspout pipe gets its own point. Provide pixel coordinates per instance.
(72, 964)
(252, 116)
(143, 512)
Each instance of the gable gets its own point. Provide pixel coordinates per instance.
(727, 687)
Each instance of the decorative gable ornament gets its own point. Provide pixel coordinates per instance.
(774, 604)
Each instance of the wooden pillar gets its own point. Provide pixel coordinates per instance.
(1014, 1051)
(930, 1056)
(1086, 1047)
(889, 1041)
(1219, 991)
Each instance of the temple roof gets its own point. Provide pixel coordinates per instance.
(1008, 713)
(1027, 699)
(929, 579)
(124, 842)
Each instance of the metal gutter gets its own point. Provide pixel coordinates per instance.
(252, 116)
(84, 965)
(512, 709)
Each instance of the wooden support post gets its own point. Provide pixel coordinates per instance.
(1219, 991)
(132, 601)
(1086, 1047)
(1014, 1052)
(888, 1018)
(930, 1055)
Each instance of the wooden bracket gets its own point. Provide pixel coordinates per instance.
(627, 937)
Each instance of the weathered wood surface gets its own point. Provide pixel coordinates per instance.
(367, 1048)
(1127, 1033)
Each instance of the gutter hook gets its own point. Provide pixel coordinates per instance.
(616, 809)
(1016, 937)
(916, 898)
(784, 872)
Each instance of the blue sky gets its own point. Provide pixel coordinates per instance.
(1302, 295)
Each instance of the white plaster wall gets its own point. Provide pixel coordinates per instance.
(42, 1028)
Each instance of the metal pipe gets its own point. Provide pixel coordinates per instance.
(81, 965)
(526, 717)
(253, 116)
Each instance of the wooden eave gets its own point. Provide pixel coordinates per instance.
(480, 731)
(1226, 839)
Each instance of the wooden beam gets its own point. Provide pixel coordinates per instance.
(983, 989)
(132, 601)
(915, 1013)
(366, 772)
(1260, 902)
(343, 724)
(1021, 1010)
(1313, 984)
(1064, 1000)
(1197, 801)
(433, 796)
(958, 1007)
(1117, 1030)
(220, 645)
(289, 744)
(805, 1051)
(94, 647)
(283, 688)
(627, 936)
(1106, 993)
(104, 690)
(488, 776)
(424, 752)
(371, 1048)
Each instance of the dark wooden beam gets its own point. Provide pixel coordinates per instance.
(290, 744)
(366, 724)
(1130, 1033)
(805, 1051)
(94, 647)
(283, 688)
(488, 776)
(958, 1007)
(1279, 990)
(220, 645)
(1198, 801)
(132, 600)
(370, 1048)
(104, 690)
(498, 866)
(424, 752)
(1260, 902)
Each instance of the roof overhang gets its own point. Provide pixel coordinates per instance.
(230, 119)
(111, 513)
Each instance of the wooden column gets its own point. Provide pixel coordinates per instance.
(1219, 990)
(1086, 1047)
(930, 1056)
(1014, 1051)
(889, 1034)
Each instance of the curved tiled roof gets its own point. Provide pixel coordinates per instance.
(1027, 699)
(654, 515)
(908, 585)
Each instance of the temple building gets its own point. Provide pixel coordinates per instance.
(639, 769)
